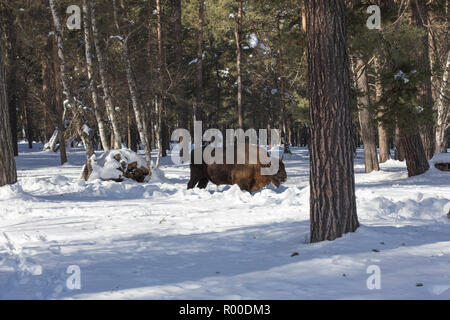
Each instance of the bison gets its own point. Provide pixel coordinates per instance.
(247, 176)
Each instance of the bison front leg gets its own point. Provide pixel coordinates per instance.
(203, 183)
(196, 176)
(192, 183)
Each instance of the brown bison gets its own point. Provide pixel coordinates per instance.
(247, 176)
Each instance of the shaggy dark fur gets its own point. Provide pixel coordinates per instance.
(247, 176)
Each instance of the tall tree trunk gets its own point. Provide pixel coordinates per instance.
(158, 131)
(420, 15)
(286, 136)
(416, 162)
(365, 118)
(91, 77)
(13, 84)
(179, 67)
(198, 105)
(304, 24)
(132, 141)
(399, 149)
(132, 86)
(332, 182)
(27, 124)
(442, 107)
(104, 80)
(65, 79)
(8, 173)
(383, 138)
(160, 103)
(237, 36)
(58, 108)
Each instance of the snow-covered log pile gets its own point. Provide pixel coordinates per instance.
(117, 165)
(441, 161)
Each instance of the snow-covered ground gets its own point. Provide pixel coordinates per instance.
(158, 240)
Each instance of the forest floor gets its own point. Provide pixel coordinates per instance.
(158, 240)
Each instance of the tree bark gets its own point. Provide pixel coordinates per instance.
(198, 105)
(13, 84)
(237, 35)
(365, 119)
(383, 138)
(91, 78)
(71, 104)
(399, 150)
(442, 108)
(183, 112)
(284, 122)
(332, 184)
(132, 141)
(132, 86)
(57, 102)
(416, 162)
(104, 80)
(161, 104)
(420, 15)
(8, 173)
(27, 124)
(158, 132)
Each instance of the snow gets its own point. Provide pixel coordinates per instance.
(401, 75)
(193, 61)
(120, 38)
(252, 40)
(86, 129)
(441, 158)
(157, 240)
(52, 140)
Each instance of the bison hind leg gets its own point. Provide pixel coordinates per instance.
(275, 181)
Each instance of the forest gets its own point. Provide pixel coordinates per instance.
(357, 91)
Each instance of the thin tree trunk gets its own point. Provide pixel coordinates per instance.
(8, 173)
(57, 103)
(284, 122)
(183, 113)
(132, 141)
(420, 15)
(91, 78)
(27, 124)
(237, 35)
(13, 84)
(399, 150)
(304, 24)
(137, 106)
(104, 80)
(442, 111)
(158, 132)
(365, 119)
(383, 138)
(332, 182)
(160, 103)
(198, 105)
(81, 128)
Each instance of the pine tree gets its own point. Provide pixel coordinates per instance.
(8, 174)
(332, 184)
